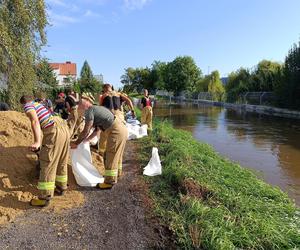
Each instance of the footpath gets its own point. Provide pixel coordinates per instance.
(112, 219)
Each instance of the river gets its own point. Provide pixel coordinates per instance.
(268, 145)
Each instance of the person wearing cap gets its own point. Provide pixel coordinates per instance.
(113, 101)
(147, 113)
(54, 150)
(103, 120)
(60, 106)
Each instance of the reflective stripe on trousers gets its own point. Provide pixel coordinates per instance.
(61, 178)
(46, 185)
(113, 172)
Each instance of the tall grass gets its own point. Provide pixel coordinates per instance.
(210, 202)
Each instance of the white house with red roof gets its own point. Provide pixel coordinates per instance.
(65, 72)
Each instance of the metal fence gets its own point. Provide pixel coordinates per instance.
(258, 98)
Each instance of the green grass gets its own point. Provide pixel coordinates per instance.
(235, 210)
(138, 113)
(136, 95)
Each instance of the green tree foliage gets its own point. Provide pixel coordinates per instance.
(202, 84)
(215, 86)
(182, 74)
(265, 76)
(87, 80)
(158, 72)
(237, 83)
(288, 89)
(178, 75)
(45, 74)
(136, 79)
(22, 34)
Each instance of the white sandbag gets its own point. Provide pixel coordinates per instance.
(143, 130)
(94, 140)
(133, 121)
(136, 131)
(154, 166)
(85, 173)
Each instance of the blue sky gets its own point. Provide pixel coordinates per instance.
(219, 34)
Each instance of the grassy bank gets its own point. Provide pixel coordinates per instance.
(209, 202)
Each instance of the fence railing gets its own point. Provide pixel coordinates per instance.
(258, 98)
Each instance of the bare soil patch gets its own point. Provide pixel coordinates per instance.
(18, 175)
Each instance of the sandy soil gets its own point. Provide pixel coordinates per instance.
(18, 176)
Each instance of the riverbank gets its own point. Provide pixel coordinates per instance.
(259, 109)
(211, 203)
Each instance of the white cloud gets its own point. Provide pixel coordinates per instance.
(57, 2)
(98, 2)
(74, 8)
(61, 19)
(135, 4)
(90, 13)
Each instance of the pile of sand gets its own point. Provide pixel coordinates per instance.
(18, 176)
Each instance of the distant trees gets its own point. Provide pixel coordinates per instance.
(265, 77)
(87, 81)
(182, 74)
(215, 86)
(45, 74)
(288, 89)
(238, 82)
(137, 79)
(178, 75)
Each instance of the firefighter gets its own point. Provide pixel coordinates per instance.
(113, 101)
(71, 105)
(104, 121)
(146, 110)
(54, 150)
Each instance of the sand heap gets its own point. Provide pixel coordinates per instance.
(18, 176)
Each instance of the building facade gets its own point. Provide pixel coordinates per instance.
(65, 73)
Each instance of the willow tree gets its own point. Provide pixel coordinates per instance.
(215, 86)
(22, 33)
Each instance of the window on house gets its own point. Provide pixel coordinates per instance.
(66, 80)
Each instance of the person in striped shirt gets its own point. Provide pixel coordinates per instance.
(54, 149)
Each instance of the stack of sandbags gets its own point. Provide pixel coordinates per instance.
(135, 130)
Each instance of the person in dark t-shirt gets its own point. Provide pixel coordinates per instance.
(103, 120)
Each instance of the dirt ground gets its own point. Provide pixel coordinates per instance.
(18, 175)
(85, 218)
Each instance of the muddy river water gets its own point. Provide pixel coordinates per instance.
(268, 145)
